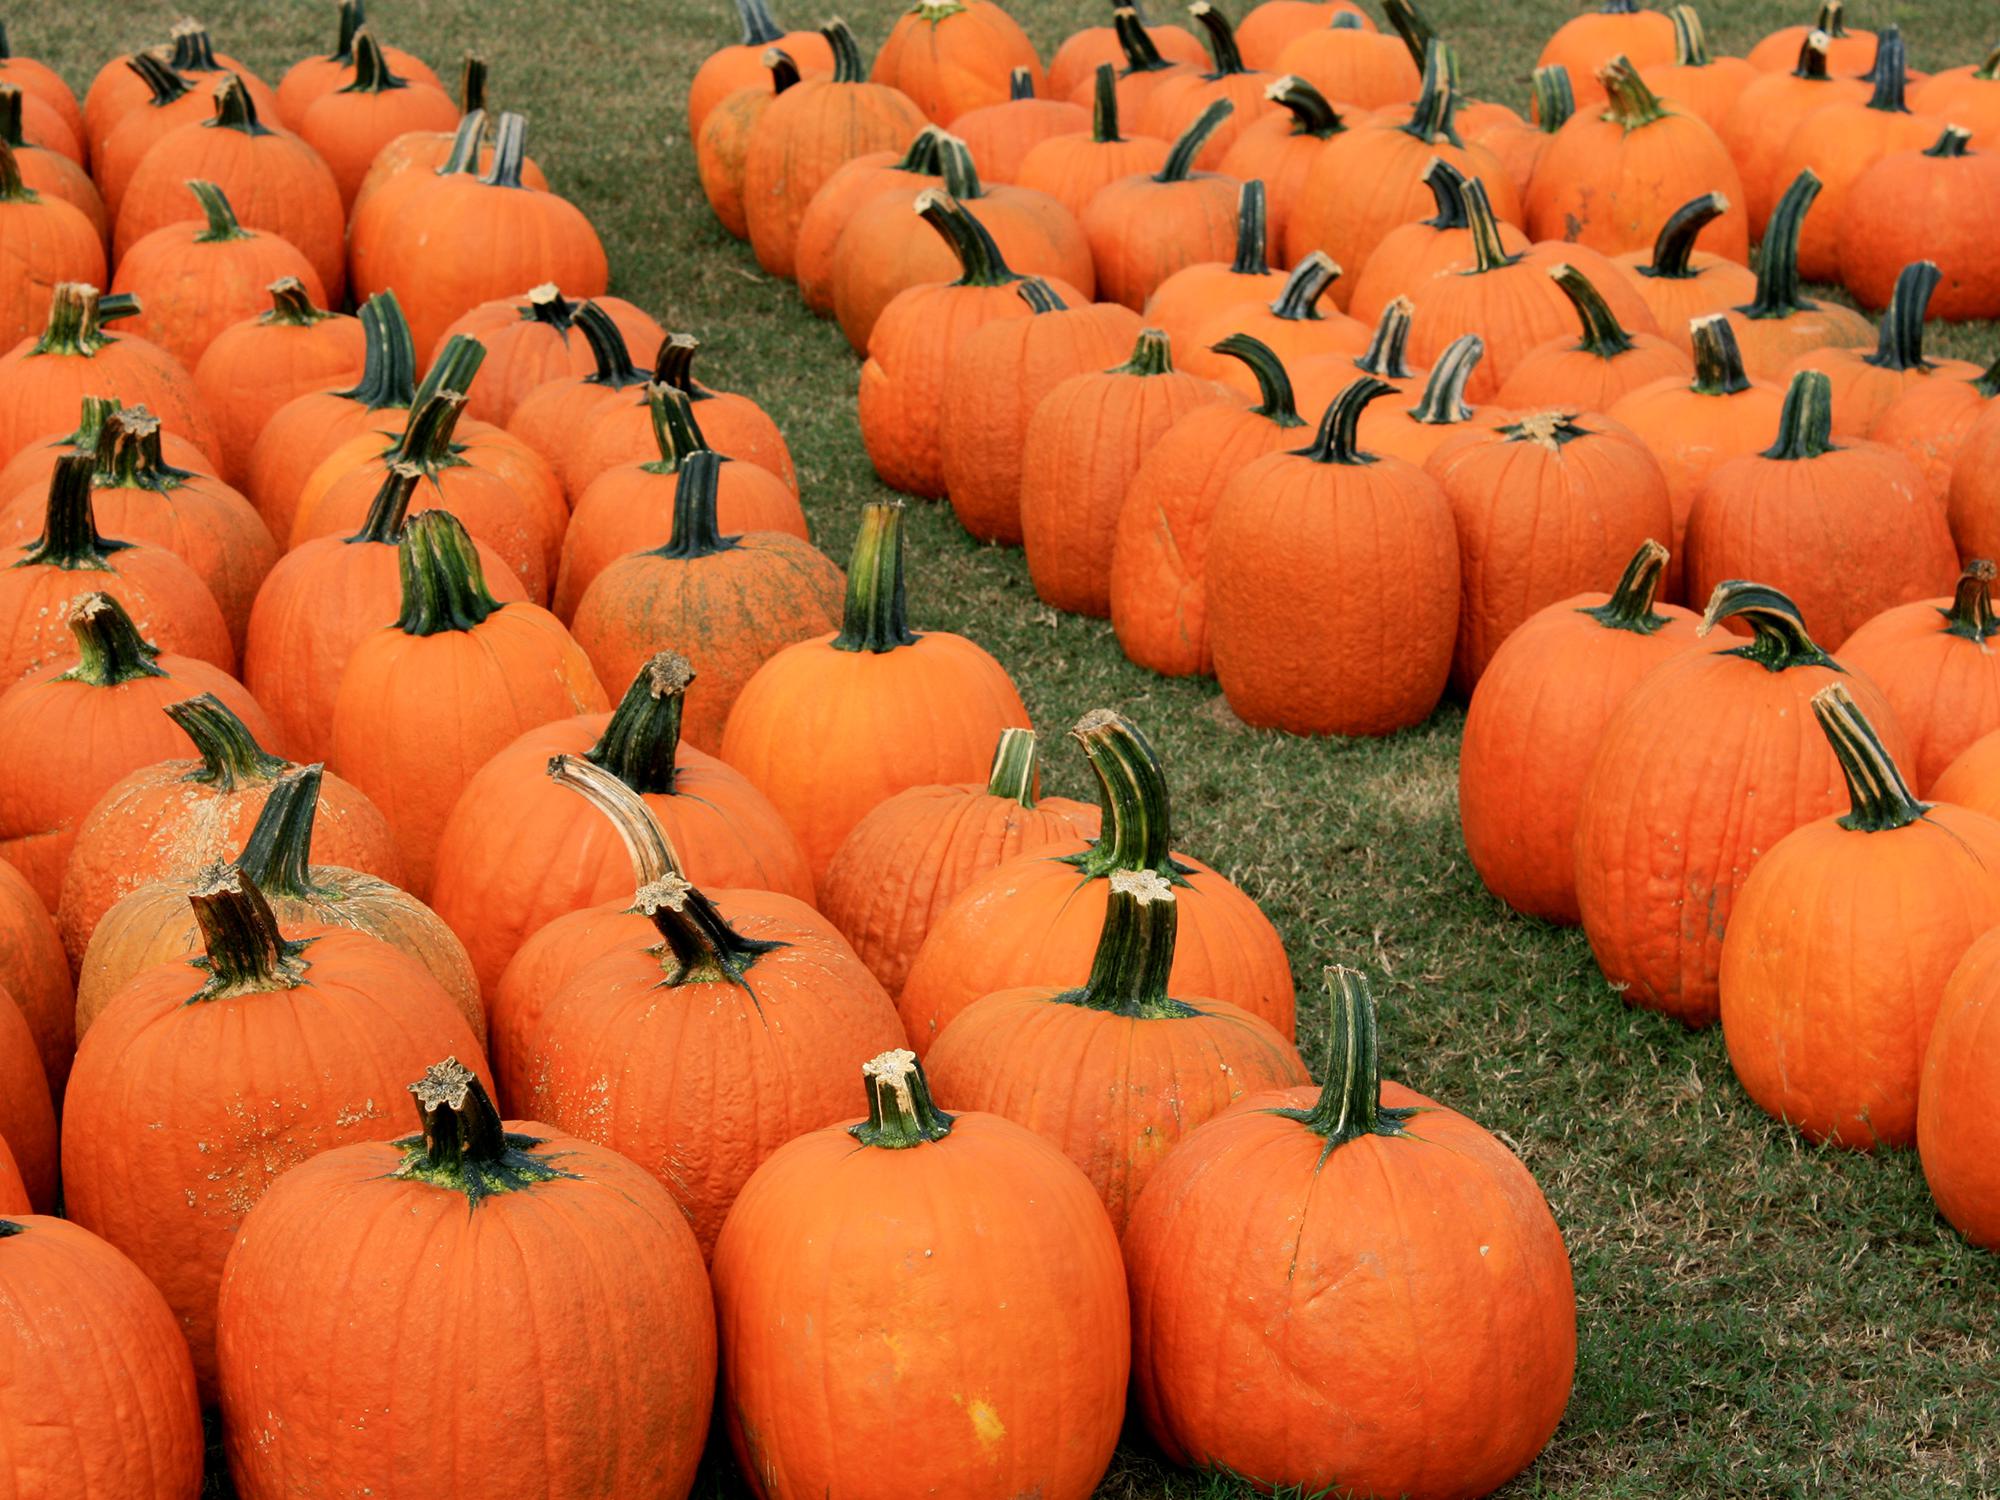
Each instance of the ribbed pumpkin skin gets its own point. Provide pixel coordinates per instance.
(1611, 188)
(1015, 1376)
(1760, 125)
(1863, 392)
(904, 863)
(621, 432)
(729, 70)
(1542, 517)
(219, 1098)
(1929, 424)
(1586, 42)
(1142, 231)
(952, 58)
(46, 241)
(165, 598)
(1073, 168)
(348, 127)
(1839, 144)
(1945, 687)
(1411, 254)
(543, 968)
(344, 1252)
(29, 471)
(1245, 1230)
(55, 175)
(1000, 136)
(35, 971)
(311, 78)
(1659, 857)
(637, 1065)
(1035, 920)
(852, 187)
(189, 292)
(1691, 434)
(101, 1395)
(253, 368)
(1365, 69)
(1958, 1135)
(524, 353)
(41, 394)
(1530, 732)
(27, 1113)
(1913, 206)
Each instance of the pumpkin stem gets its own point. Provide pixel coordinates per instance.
(1879, 799)
(129, 455)
(900, 1111)
(1221, 39)
(673, 364)
(1336, 441)
(1132, 793)
(463, 157)
(1489, 251)
(1989, 70)
(1812, 61)
(389, 358)
(243, 952)
(510, 149)
(979, 258)
(12, 188)
(292, 306)
(876, 617)
(194, 50)
(1890, 72)
(1297, 300)
(1350, 1101)
(1555, 98)
(675, 432)
(1413, 26)
(546, 304)
(653, 857)
(1630, 104)
(959, 171)
(1778, 632)
(444, 587)
(69, 538)
(1016, 769)
(922, 159)
(1152, 355)
(1447, 187)
(1135, 951)
(1020, 85)
(351, 20)
(1432, 120)
(1104, 107)
(76, 321)
(1832, 18)
(1987, 382)
(697, 531)
(222, 225)
(372, 73)
(1385, 356)
(1602, 334)
(1443, 403)
(1040, 296)
(1901, 343)
(464, 1148)
(391, 506)
(638, 746)
(1311, 113)
(1278, 403)
(1673, 250)
(10, 115)
(166, 85)
(612, 361)
(849, 66)
(1951, 144)
(277, 857)
(426, 440)
(784, 69)
(235, 109)
(1971, 615)
(760, 27)
(1778, 294)
(1690, 38)
(1805, 422)
(1718, 361)
(1252, 230)
(1630, 606)
(230, 754)
(472, 84)
(109, 648)
(1180, 160)
(698, 946)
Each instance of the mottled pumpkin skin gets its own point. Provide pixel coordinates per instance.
(41, 393)
(1271, 1282)
(189, 291)
(1958, 1136)
(1612, 188)
(27, 1114)
(1945, 688)
(166, 599)
(343, 1250)
(100, 1392)
(1014, 1376)
(35, 971)
(543, 968)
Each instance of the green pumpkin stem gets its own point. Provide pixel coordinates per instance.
(1221, 39)
(464, 1148)
(640, 743)
(510, 151)
(1337, 442)
(1350, 1100)
(1489, 251)
(1630, 606)
(1890, 73)
(463, 157)
(1180, 160)
(1718, 360)
(372, 73)
(351, 20)
(900, 1111)
(1603, 335)
(646, 845)
(1298, 299)
(1020, 85)
(1690, 38)
(697, 944)
(876, 617)
(165, 84)
(673, 365)
(924, 159)
(959, 171)
(760, 27)
(1016, 771)
(697, 530)
(1879, 799)
(1900, 345)
(389, 357)
(1951, 144)
(12, 188)
(76, 321)
(109, 648)
(390, 508)
(1141, 55)
(1443, 402)
(547, 305)
(1970, 616)
(1277, 403)
(1447, 189)
(10, 115)
(1104, 107)
(1311, 113)
(1132, 794)
(1432, 120)
(676, 433)
(243, 951)
(1152, 354)
(1386, 357)
(444, 586)
(426, 439)
(849, 66)
(292, 306)
(1673, 249)
(1832, 18)
(1135, 950)
(1413, 26)
(1555, 98)
(979, 258)
(222, 225)
(1805, 422)
(1989, 70)
(69, 539)
(1253, 227)
(1040, 296)
(472, 82)
(230, 754)
(611, 365)
(1778, 294)
(129, 455)
(1629, 104)
(235, 109)
(1778, 637)
(277, 857)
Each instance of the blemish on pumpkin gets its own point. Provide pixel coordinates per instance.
(986, 1424)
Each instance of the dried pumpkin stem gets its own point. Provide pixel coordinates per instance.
(673, 364)
(1630, 606)
(1718, 361)
(1311, 113)
(1152, 354)
(548, 306)
(1386, 357)
(876, 617)
(1432, 120)
(1951, 144)
(783, 67)
(463, 157)
(640, 744)
(472, 82)
(698, 946)
(444, 586)
(390, 508)
(1603, 336)
(351, 20)
(676, 433)
(235, 109)
(75, 324)
(1778, 638)
(230, 754)
(1016, 771)
(1629, 103)
(1778, 294)
(130, 456)
(464, 1148)
(1350, 1098)
(165, 84)
(1133, 796)
(1298, 299)
(277, 857)
(244, 953)
(69, 539)
(11, 106)
(1879, 799)
(1900, 345)
(292, 306)
(194, 49)
(12, 188)
(1690, 38)
(109, 648)
(1413, 26)
(611, 360)
(426, 439)
(901, 1113)
(1555, 98)
(1489, 251)
(1277, 403)
(1141, 55)
(1812, 60)
(646, 843)
(1020, 85)
(1673, 250)
(1970, 616)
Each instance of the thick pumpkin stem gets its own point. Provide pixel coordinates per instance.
(76, 321)
(653, 857)
(1141, 55)
(230, 754)
(243, 952)
(1336, 441)
(1951, 144)
(444, 586)
(1135, 950)
(1385, 356)
(389, 356)
(464, 1148)
(1718, 360)
(1180, 160)
(455, 368)
(1350, 1099)
(876, 618)
(673, 364)
(900, 1111)
(698, 946)
(959, 171)
(849, 66)
(12, 188)
(676, 433)
(1555, 98)
(923, 158)
(1104, 106)
(1489, 252)
(1778, 294)
(1278, 403)
(1298, 299)
(1152, 354)
(1016, 773)
(10, 115)
(1989, 71)
(1673, 250)
(1221, 39)
(372, 73)
(165, 84)
(1805, 422)
(1778, 632)
(640, 743)
(760, 27)
(463, 157)
(1690, 38)
(1040, 296)
(979, 259)
(1132, 793)
(1602, 334)
(1901, 343)
(1252, 230)
(1812, 60)
(697, 530)
(1879, 799)
(612, 365)
(1311, 113)
(1630, 606)
(69, 538)
(235, 109)
(1832, 18)
(352, 19)
(472, 80)
(1443, 403)
(1413, 26)
(1433, 118)
(129, 455)
(222, 225)
(510, 150)
(194, 49)
(1971, 614)
(546, 304)
(1020, 85)
(1447, 187)
(292, 306)
(109, 648)
(277, 857)
(426, 440)
(1891, 72)
(390, 508)
(1629, 103)
(783, 67)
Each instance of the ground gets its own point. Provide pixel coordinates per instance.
(1758, 1318)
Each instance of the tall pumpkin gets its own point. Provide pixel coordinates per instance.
(1956, 1138)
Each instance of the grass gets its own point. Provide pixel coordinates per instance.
(1758, 1318)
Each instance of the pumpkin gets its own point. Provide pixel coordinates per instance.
(1322, 377)
(1680, 283)
(1866, 385)
(951, 56)
(1291, 324)
(1265, 29)
(35, 972)
(194, 57)
(1827, 991)
(885, 248)
(1355, 64)
(1781, 322)
(71, 730)
(50, 172)
(253, 368)
(1534, 722)
(518, 852)
(1934, 205)
(1955, 1135)
(1760, 124)
(1159, 553)
(1289, 1207)
(1119, 1071)
(1973, 500)
(1086, 50)
(117, 88)
(1035, 919)
(27, 1116)
(533, 339)
(730, 70)
(1964, 94)
(154, 924)
(349, 126)
(1144, 64)
(1072, 168)
(378, 206)
(1416, 252)
(896, 175)
(1928, 424)
(1701, 84)
(48, 242)
(993, 383)
(1850, 51)
(13, 1192)
(631, 508)
(1368, 541)
(1617, 28)
(551, 416)
(831, 727)
(213, 1075)
(167, 600)
(171, 101)
(805, 136)
(1184, 303)
(1278, 148)
(34, 466)
(1179, 100)
(1592, 373)
(1934, 666)
(1847, 530)
(407, 158)
(33, 77)
(1083, 445)
(1414, 432)
(310, 78)
(911, 346)
(1612, 180)
(903, 864)
(274, 180)
(1660, 857)
(1520, 145)
(998, 1245)
(728, 602)
(107, 1397)
(171, 820)
(43, 379)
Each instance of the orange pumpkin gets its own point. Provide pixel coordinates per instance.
(1520, 145)
(1680, 283)
(1414, 432)
(1933, 664)
(1290, 323)
(35, 972)
(1072, 168)
(34, 466)
(1423, 249)
(1929, 424)
(1850, 51)
(533, 339)
(308, 79)
(31, 76)
(48, 241)
(1266, 28)
(852, 187)
(348, 126)
(1760, 124)
(1278, 148)
(722, 145)
(1936, 204)
(1179, 100)
(950, 56)
(1702, 84)
(413, 153)
(50, 172)
(170, 101)
(1965, 94)
(27, 1114)
(1594, 373)
(1353, 63)
(1956, 1140)
(1781, 322)
(1086, 50)
(1617, 28)
(1866, 385)
(252, 369)
(1183, 304)
(728, 70)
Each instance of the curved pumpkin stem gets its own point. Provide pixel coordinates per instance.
(876, 615)
(901, 1113)
(697, 530)
(1891, 72)
(676, 433)
(510, 150)
(166, 85)
(959, 171)
(372, 73)
(230, 754)
(1252, 230)
(1432, 119)
(464, 1148)
(1141, 55)
(646, 843)
(235, 109)
(1311, 113)
(760, 27)
(389, 357)
(243, 952)
(1554, 98)
(292, 306)
(109, 648)
(426, 439)
(69, 539)
(611, 365)
(783, 67)
(222, 224)
(698, 946)
(1879, 800)
(1778, 632)
(641, 742)
(12, 188)
(1016, 772)
(1350, 1101)
(1040, 296)
(1805, 422)
(1690, 38)
(1447, 188)
(1133, 797)
(1971, 615)
(1901, 343)
(194, 49)
(1489, 252)
(351, 19)
(277, 857)
(1630, 606)
(390, 509)
(1443, 403)
(1298, 299)
(1180, 160)
(1221, 39)
(849, 66)
(1718, 361)
(1629, 103)
(1603, 336)
(444, 586)
(1413, 26)
(1778, 294)
(1135, 951)
(1104, 107)
(1385, 356)
(1673, 250)
(1278, 402)
(1336, 442)
(979, 258)
(463, 157)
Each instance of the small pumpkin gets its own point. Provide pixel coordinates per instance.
(1072, 168)
(729, 70)
(310, 78)
(1866, 385)
(252, 369)
(1680, 283)
(952, 56)
(1955, 1136)
(1585, 43)
(853, 186)
(1592, 373)
(1781, 322)
(347, 126)
(1933, 664)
